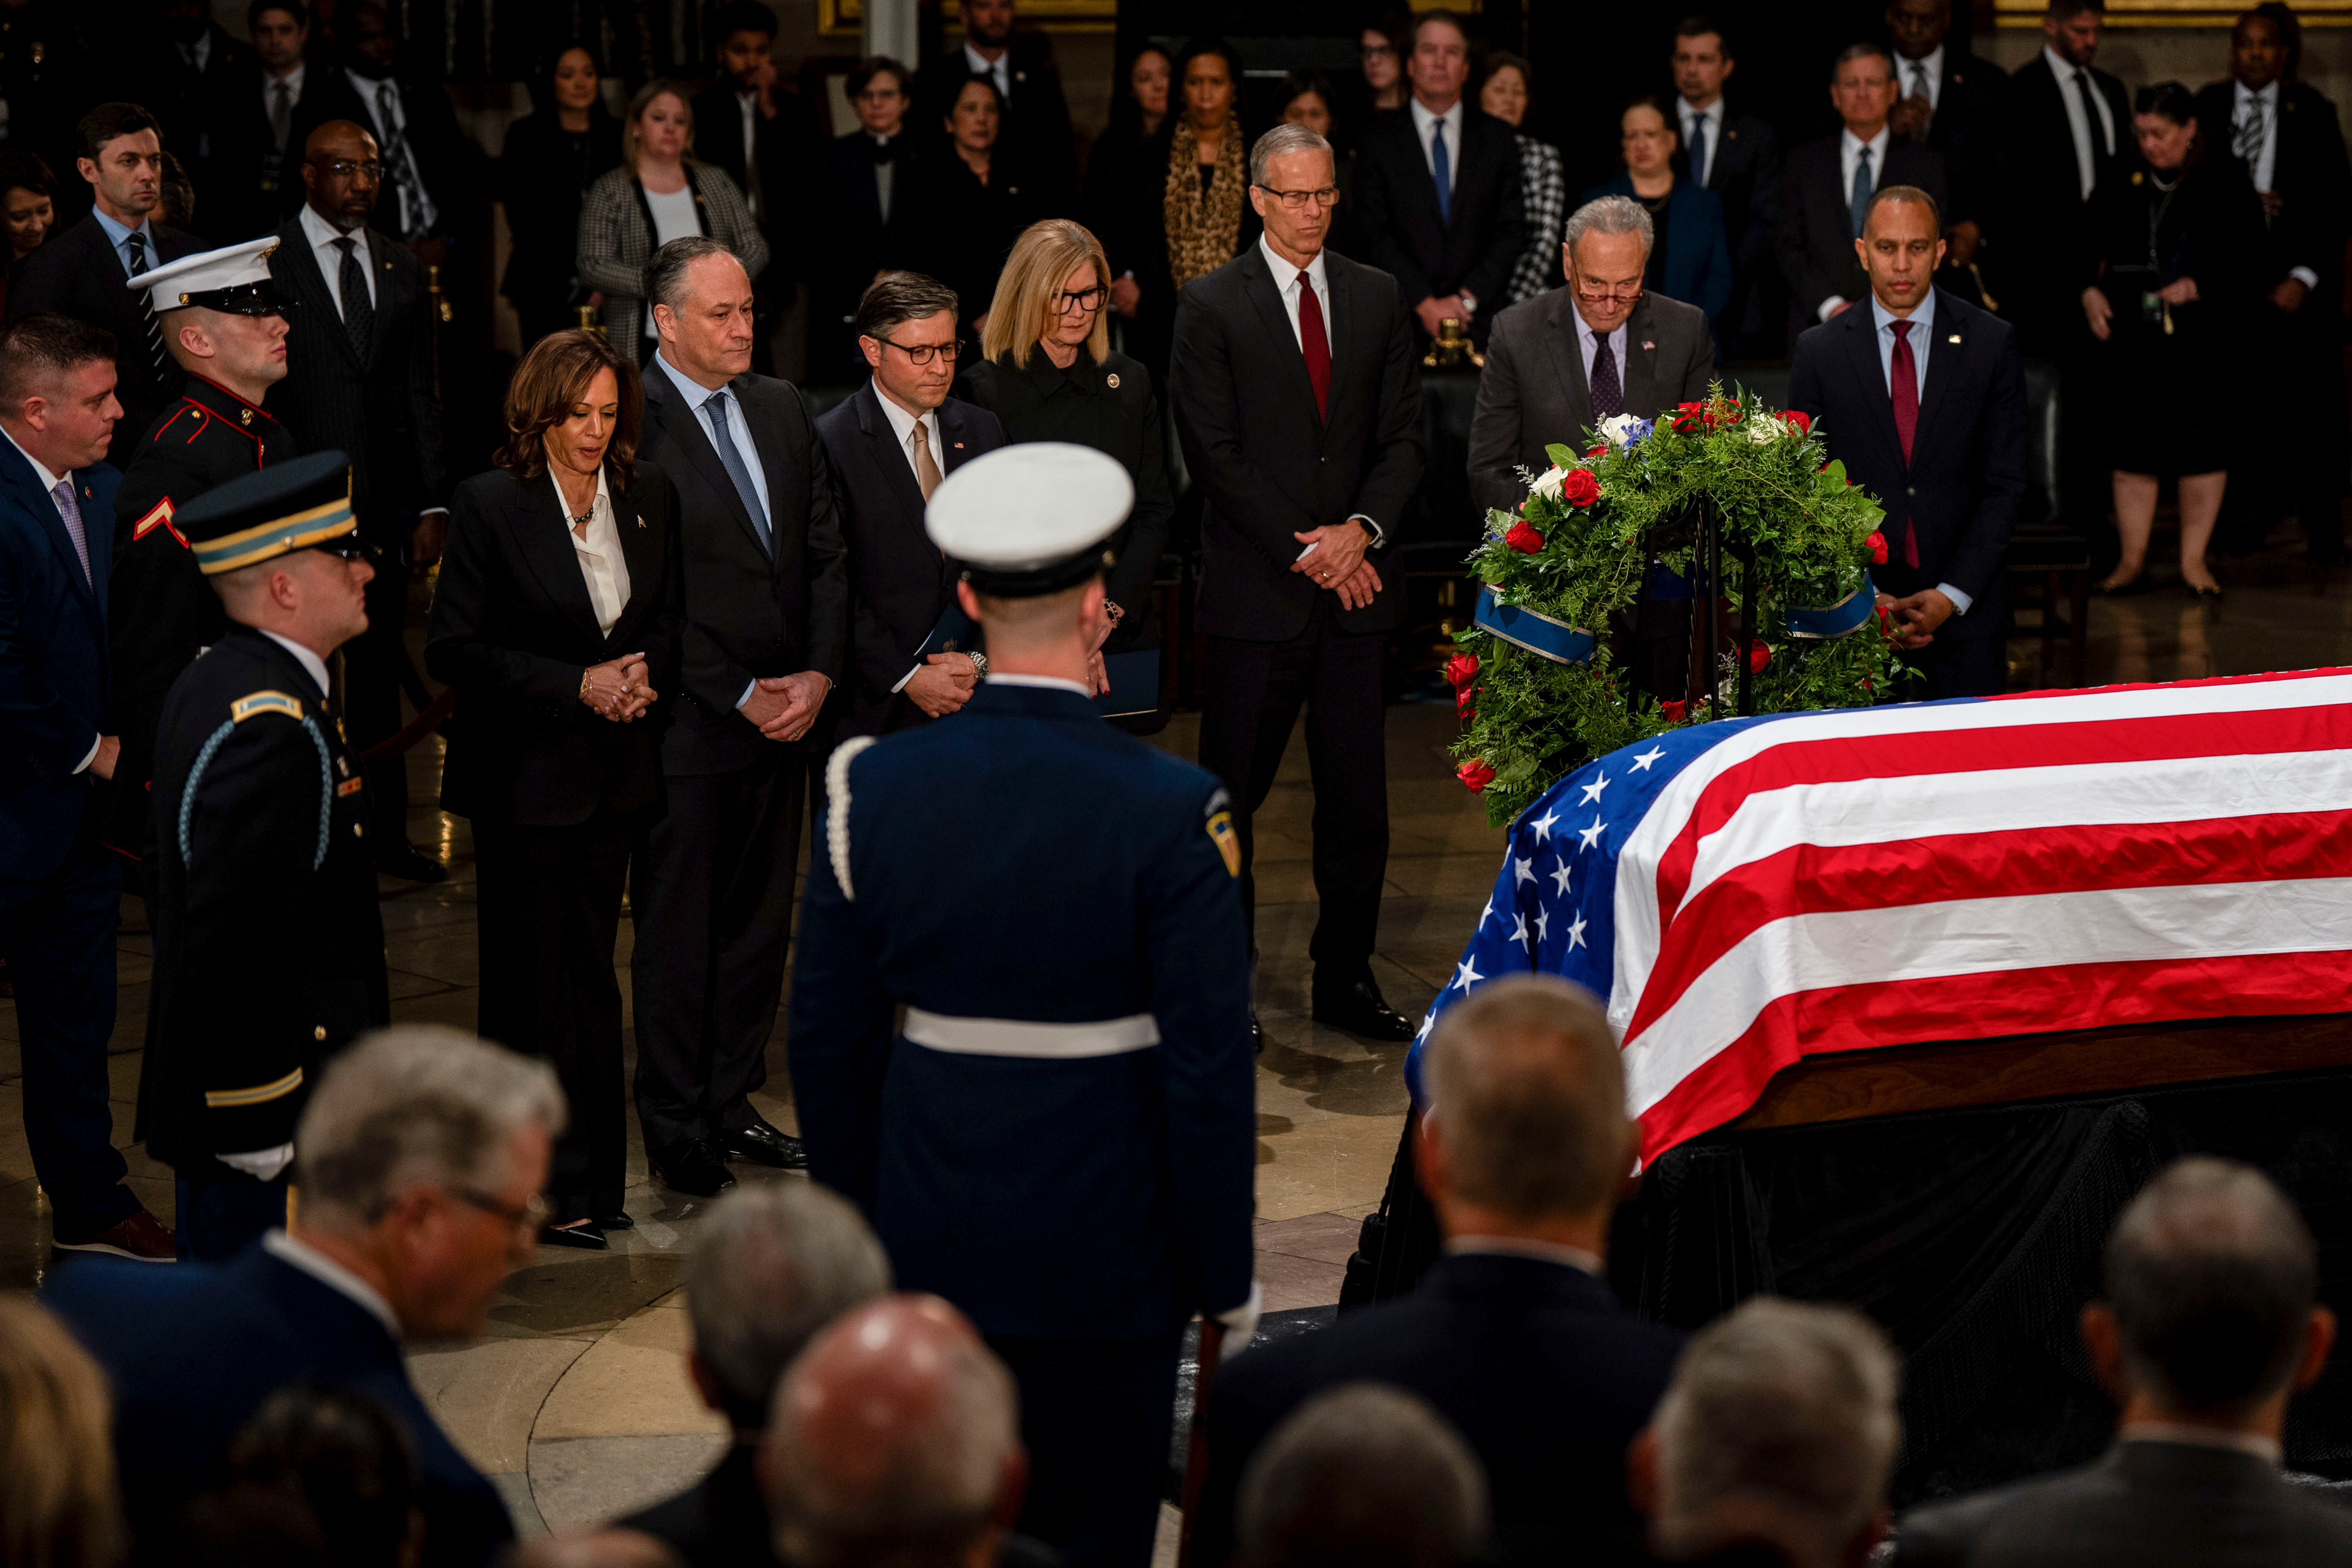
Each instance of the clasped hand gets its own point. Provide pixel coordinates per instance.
(1917, 616)
(784, 706)
(1335, 559)
(618, 689)
(943, 685)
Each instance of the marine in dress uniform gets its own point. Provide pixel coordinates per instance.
(1060, 1136)
(268, 946)
(160, 614)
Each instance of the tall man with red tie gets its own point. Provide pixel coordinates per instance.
(1922, 396)
(1299, 409)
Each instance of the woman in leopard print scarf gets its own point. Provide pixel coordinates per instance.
(1208, 168)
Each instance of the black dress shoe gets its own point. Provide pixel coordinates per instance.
(407, 862)
(586, 1236)
(769, 1145)
(1257, 1034)
(616, 1220)
(1361, 1010)
(695, 1168)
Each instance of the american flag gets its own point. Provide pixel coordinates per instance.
(1749, 891)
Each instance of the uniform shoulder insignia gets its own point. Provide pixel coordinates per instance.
(265, 702)
(159, 516)
(1219, 826)
(837, 818)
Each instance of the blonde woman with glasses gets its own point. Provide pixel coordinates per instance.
(1048, 371)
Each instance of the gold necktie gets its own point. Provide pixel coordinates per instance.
(927, 472)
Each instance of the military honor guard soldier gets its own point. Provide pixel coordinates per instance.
(1060, 1137)
(268, 947)
(223, 322)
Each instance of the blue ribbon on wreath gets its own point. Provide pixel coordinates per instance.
(1823, 621)
(1538, 633)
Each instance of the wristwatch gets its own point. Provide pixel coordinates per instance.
(979, 665)
(1110, 608)
(1469, 300)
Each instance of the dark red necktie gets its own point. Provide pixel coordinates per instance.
(1903, 375)
(1315, 345)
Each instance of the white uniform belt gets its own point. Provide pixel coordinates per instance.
(1019, 1037)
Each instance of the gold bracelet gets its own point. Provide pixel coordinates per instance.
(583, 686)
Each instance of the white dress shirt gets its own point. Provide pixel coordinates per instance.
(1566, 1256)
(674, 218)
(603, 565)
(1712, 118)
(2264, 168)
(1286, 284)
(1849, 150)
(49, 484)
(1423, 126)
(1908, 72)
(902, 428)
(334, 1275)
(1587, 342)
(392, 120)
(322, 237)
(698, 397)
(2087, 142)
(1922, 339)
(312, 664)
(1043, 682)
(997, 70)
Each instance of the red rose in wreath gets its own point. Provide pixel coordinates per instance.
(1461, 670)
(1578, 487)
(1759, 655)
(1599, 450)
(1689, 416)
(1798, 419)
(1877, 543)
(1675, 709)
(1474, 774)
(1524, 538)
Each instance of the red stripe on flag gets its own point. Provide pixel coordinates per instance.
(1981, 1006)
(1915, 755)
(1805, 878)
(2323, 671)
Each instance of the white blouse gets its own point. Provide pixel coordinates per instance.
(601, 564)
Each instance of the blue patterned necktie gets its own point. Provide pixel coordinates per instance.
(70, 511)
(1858, 202)
(1443, 169)
(1698, 150)
(730, 457)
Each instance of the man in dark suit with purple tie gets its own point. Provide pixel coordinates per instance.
(1922, 396)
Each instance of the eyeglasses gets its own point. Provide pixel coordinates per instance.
(1296, 201)
(1086, 300)
(344, 168)
(531, 1216)
(1613, 291)
(1376, 52)
(924, 353)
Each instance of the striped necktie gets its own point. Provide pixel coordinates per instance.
(155, 354)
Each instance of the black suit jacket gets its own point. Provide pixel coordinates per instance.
(791, 150)
(451, 167)
(2144, 1505)
(1533, 391)
(56, 678)
(192, 1351)
(251, 190)
(2043, 252)
(1036, 131)
(191, 105)
(1545, 1375)
(1966, 472)
(1816, 236)
(79, 274)
(2311, 177)
(512, 629)
(375, 407)
(1744, 169)
(1397, 222)
(1267, 467)
(748, 613)
(899, 583)
(1964, 127)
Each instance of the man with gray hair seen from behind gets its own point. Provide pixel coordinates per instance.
(1774, 1441)
(1514, 1335)
(895, 1442)
(1363, 1477)
(1561, 363)
(420, 1159)
(2208, 1323)
(772, 1266)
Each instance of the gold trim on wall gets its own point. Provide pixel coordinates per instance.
(836, 18)
(2170, 13)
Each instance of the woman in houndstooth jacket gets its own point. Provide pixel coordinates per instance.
(660, 192)
(1503, 93)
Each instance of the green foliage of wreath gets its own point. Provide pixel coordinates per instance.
(1579, 550)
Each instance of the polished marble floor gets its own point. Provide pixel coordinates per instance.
(577, 1401)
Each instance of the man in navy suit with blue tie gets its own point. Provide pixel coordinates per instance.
(59, 889)
(1057, 1133)
(1922, 396)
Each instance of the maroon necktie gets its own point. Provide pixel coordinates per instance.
(1315, 345)
(1903, 376)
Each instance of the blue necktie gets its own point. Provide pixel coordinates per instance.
(714, 409)
(1443, 168)
(1859, 202)
(1699, 150)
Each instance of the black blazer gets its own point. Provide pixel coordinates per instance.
(512, 629)
(1816, 236)
(2143, 1505)
(966, 229)
(1036, 135)
(1744, 169)
(543, 172)
(1396, 219)
(2311, 177)
(791, 148)
(899, 583)
(2041, 255)
(858, 242)
(1964, 127)
(79, 273)
(191, 106)
(1113, 408)
(1967, 471)
(377, 406)
(1266, 466)
(252, 190)
(1545, 1375)
(448, 163)
(748, 613)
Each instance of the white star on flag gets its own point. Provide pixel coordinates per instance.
(1519, 929)
(1592, 791)
(1543, 924)
(1467, 975)
(1428, 1023)
(1486, 913)
(1523, 869)
(1575, 935)
(1590, 836)
(1641, 763)
(1542, 826)
(1560, 874)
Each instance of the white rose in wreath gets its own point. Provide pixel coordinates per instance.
(1763, 429)
(1618, 428)
(1547, 484)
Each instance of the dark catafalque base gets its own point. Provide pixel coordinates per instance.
(1972, 1235)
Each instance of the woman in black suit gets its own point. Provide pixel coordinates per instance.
(551, 157)
(1049, 373)
(971, 207)
(557, 621)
